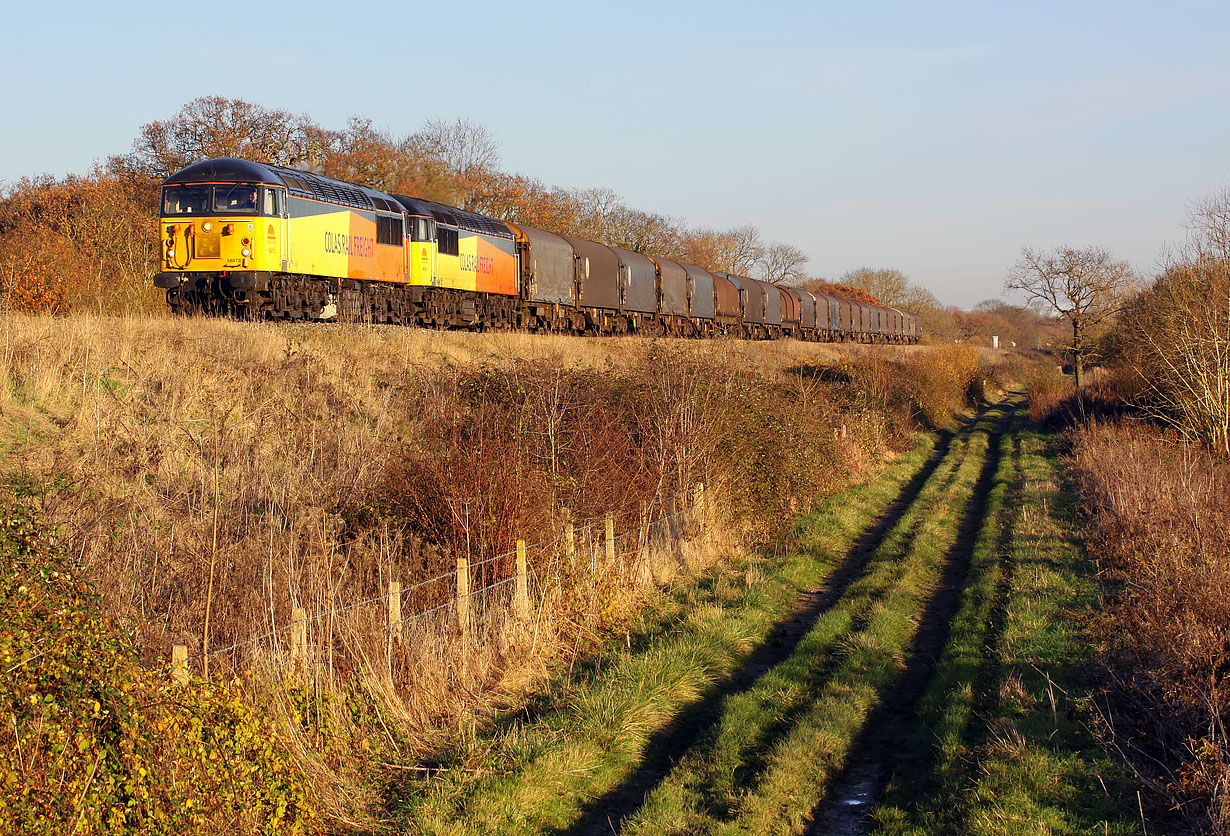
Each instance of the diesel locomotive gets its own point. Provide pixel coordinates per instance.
(264, 241)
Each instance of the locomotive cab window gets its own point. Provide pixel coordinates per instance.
(420, 229)
(185, 200)
(272, 205)
(230, 199)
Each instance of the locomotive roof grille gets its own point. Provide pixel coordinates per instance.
(451, 215)
(309, 184)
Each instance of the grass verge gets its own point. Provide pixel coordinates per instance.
(535, 772)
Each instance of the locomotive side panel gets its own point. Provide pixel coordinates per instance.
(476, 261)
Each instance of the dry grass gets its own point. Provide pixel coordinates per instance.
(214, 476)
(1162, 527)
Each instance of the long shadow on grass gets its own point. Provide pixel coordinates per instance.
(918, 772)
(607, 813)
(859, 785)
(757, 752)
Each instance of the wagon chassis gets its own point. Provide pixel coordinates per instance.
(287, 297)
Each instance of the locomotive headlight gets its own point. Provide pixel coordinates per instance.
(207, 226)
(246, 252)
(171, 253)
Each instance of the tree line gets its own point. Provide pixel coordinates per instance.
(89, 241)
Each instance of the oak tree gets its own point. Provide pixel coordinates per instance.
(1085, 287)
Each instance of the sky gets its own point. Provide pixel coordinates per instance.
(934, 138)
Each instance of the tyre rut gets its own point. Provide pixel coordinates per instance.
(853, 794)
(607, 813)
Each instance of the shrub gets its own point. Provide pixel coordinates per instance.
(97, 743)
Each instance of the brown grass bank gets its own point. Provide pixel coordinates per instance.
(212, 477)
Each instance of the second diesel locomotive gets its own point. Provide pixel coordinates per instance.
(265, 241)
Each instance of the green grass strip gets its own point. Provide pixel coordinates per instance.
(803, 764)
(997, 746)
(766, 762)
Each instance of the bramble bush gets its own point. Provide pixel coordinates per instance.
(95, 742)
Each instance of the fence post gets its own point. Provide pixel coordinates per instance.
(463, 596)
(521, 595)
(179, 664)
(610, 538)
(395, 626)
(298, 640)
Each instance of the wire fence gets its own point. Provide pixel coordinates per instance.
(595, 545)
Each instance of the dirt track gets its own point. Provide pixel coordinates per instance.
(854, 793)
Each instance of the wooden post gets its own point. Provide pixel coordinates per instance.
(395, 634)
(463, 596)
(610, 538)
(298, 640)
(646, 571)
(179, 664)
(395, 625)
(521, 595)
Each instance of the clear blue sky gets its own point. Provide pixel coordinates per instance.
(936, 138)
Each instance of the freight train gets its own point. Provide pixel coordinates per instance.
(264, 241)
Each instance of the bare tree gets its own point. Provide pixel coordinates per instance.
(463, 146)
(214, 126)
(782, 264)
(1086, 287)
(1176, 335)
(889, 286)
(745, 248)
(734, 251)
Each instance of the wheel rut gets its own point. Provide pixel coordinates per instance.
(607, 813)
(854, 793)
